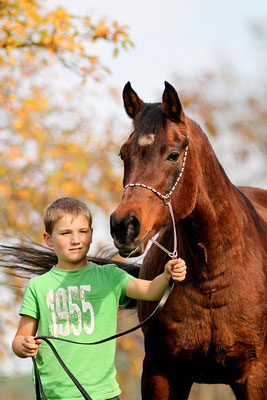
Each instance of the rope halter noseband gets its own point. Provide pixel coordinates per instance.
(167, 201)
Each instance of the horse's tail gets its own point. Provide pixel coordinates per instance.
(30, 259)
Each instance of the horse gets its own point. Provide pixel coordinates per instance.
(213, 327)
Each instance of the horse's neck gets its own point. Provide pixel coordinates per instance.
(218, 204)
(213, 230)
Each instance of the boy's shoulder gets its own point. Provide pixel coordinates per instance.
(108, 269)
(105, 268)
(40, 278)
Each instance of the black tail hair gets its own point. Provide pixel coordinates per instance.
(32, 259)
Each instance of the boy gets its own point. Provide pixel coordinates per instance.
(79, 301)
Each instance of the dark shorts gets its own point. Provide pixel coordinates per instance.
(114, 398)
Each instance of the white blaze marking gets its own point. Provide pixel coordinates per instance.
(146, 140)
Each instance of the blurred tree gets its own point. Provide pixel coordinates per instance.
(47, 151)
(46, 140)
(27, 26)
(49, 145)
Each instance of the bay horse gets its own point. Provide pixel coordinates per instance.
(213, 326)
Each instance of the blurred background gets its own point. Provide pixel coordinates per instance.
(63, 67)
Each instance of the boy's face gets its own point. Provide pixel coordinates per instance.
(71, 239)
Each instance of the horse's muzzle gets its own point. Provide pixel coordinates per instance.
(124, 232)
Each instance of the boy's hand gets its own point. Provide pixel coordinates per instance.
(176, 269)
(29, 346)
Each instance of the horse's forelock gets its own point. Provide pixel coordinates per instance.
(151, 119)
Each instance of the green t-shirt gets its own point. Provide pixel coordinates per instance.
(82, 306)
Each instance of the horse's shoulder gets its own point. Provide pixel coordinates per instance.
(257, 195)
(258, 198)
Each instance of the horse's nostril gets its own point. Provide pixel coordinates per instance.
(126, 229)
(132, 226)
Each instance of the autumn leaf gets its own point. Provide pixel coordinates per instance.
(28, 27)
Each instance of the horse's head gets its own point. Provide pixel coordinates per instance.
(153, 156)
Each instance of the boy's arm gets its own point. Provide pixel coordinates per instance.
(23, 343)
(153, 290)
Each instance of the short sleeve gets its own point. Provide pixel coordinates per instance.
(121, 278)
(29, 303)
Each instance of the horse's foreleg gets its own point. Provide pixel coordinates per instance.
(180, 389)
(156, 385)
(254, 386)
(250, 390)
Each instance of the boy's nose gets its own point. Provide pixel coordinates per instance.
(75, 238)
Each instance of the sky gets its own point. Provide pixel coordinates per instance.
(176, 36)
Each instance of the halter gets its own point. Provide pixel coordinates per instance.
(167, 201)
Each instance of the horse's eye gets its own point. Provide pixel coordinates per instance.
(120, 155)
(173, 156)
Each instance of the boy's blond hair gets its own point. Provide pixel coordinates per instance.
(61, 207)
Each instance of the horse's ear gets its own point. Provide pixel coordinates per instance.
(172, 107)
(132, 103)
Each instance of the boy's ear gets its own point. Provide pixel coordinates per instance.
(48, 239)
(91, 229)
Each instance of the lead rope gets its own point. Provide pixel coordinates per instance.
(39, 391)
(38, 383)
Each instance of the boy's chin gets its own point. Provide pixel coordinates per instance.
(75, 259)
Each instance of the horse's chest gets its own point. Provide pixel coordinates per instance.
(198, 322)
(202, 337)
